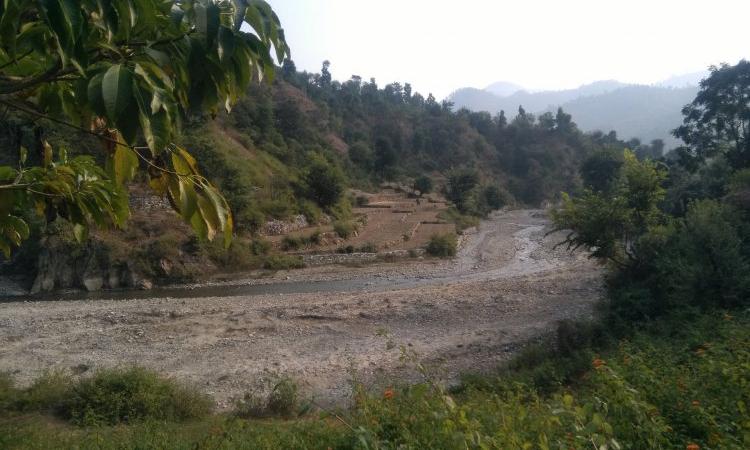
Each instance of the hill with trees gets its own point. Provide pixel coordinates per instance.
(633, 111)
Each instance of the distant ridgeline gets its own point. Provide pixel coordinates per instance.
(632, 111)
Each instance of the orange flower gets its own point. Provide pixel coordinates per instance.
(598, 363)
(388, 394)
(692, 446)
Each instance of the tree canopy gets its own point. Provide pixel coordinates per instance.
(129, 72)
(718, 120)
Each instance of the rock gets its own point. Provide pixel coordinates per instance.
(93, 282)
(145, 284)
(165, 266)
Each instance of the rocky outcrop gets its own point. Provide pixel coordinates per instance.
(279, 227)
(62, 265)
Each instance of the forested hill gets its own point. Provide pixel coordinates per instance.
(633, 111)
(286, 145)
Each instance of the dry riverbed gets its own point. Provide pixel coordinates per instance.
(507, 286)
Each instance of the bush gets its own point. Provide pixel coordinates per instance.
(240, 255)
(291, 243)
(283, 262)
(442, 245)
(129, 395)
(48, 393)
(344, 229)
(281, 401)
(284, 399)
(423, 184)
(325, 183)
(461, 221)
(259, 246)
(369, 248)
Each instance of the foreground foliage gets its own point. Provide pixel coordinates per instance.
(128, 72)
(679, 381)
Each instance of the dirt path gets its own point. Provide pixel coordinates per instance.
(506, 286)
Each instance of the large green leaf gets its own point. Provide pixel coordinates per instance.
(124, 164)
(117, 92)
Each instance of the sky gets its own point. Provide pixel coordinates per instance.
(439, 46)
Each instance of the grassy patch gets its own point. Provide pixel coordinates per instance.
(283, 262)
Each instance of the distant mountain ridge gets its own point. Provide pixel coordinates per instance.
(645, 112)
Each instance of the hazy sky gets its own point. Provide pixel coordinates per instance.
(439, 46)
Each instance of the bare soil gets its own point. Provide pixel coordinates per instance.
(507, 286)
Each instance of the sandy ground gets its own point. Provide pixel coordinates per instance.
(507, 286)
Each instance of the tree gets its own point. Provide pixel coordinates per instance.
(324, 181)
(461, 189)
(423, 184)
(718, 120)
(609, 223)
(128, 72)
(385, 155)
(325, 75)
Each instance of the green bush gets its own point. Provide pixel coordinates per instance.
(240, 255)
(344, 229)
(130, 395)
(260, 246)
(462, 221)
(423, 185)
(283, 262)
(291, 243)
(48, 393)
(282, 400)
(442, 245)
(324, 182)
(368, 248)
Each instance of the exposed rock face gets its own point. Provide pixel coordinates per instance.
(61, 265)
(277, 227)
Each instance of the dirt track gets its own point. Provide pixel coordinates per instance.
(507, 286)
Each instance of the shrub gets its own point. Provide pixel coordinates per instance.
(325, 182)
(442, 245)
(283, 262)
(361, 200)
(344, 229)
(311, 211)
(282, 400)
(48, 393)
(423, 184)
(291, 243)
(369, 248)
(347, 250)
(130, 395)
(461, 221)
(239, 256)
(259, 246)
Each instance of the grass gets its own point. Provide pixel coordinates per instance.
(675, 382)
